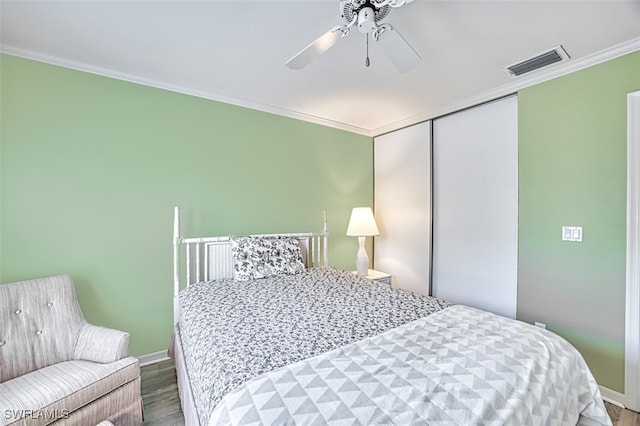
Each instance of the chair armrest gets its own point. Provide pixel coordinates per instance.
(100, 344)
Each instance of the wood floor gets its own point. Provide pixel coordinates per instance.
(162, 404)
(160, 400)
(621, 417)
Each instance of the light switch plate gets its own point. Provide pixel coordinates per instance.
(572, 233)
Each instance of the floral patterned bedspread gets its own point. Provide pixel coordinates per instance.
(233, 331)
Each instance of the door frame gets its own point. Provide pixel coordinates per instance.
(632, 315)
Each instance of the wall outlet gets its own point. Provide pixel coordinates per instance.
(540, 324)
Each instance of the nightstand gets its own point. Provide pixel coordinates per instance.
(381, 277)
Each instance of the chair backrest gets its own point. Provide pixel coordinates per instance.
(40, 321)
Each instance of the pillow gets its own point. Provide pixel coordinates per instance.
(262, 257)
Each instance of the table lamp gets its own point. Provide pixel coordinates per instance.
(362, 225)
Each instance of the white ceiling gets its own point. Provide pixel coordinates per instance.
(234, 51)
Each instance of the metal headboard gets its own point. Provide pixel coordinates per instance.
(208, 258)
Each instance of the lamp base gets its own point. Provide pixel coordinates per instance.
(362, 261)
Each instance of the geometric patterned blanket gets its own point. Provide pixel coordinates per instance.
(458, 366)
(233, 331)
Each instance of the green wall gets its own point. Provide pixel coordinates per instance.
(91, 168)
(572, 171)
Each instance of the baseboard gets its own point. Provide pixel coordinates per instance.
(148, 359)
(613, 397)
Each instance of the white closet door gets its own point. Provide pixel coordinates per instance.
(475, 207)
(403, 206)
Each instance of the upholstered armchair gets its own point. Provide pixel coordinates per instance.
(55, 368)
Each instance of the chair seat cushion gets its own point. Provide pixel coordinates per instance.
(59, 389)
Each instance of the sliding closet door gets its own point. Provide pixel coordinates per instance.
(475, 207)
(402, 180)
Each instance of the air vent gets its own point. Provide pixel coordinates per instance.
(549, 57)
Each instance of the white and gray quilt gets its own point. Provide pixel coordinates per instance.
(459, 366)
(234, 331)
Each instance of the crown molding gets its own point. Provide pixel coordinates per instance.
(106, 72)
(562, 68)
(536, 77)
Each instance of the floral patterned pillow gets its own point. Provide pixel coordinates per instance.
(262, 257)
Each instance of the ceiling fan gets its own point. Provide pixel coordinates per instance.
(366, 14)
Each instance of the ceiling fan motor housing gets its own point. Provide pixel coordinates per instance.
(351, 9)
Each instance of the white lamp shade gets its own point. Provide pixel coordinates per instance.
(362, 223)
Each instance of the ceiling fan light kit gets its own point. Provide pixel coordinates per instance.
(366, 14)
(366, 20)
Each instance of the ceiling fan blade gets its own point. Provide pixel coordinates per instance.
(316, 48)
(397, 49)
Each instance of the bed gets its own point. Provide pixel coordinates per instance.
(266, 332)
